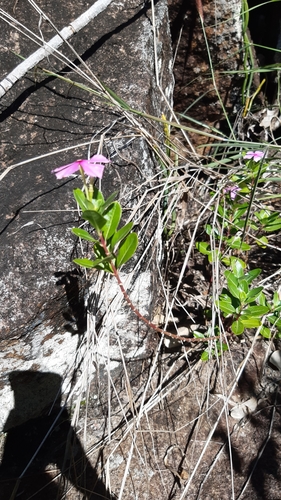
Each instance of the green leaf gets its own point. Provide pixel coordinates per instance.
(238, 224)
(243, 285)
(232, 283)
(252, 225)
(253, 294)
(222, 347)
(240, 210)
(205, 356)
(85, 263)
(112, 216)
(84, 235)
(276, 300)
(250, 322)
(121, 234)
(243, 290)
(261, 300)
(222, 212)
(96, 220)
(265, 332)
(274, 320)
(101, 264)
(236, 243)
(100, 251)
(262, 242)
(237, 267)
(82, 201)
(244, 189)
(273, 227)
(127, 249)
(97, 200)
(251, 275)
(262, 215)
(237, 327)
(226, 261)
(226, 306)
(213, 255)
(109, 201)
(198, 335)
(104, 265)
(242, 296)
(255, 311)
(203, 247)
(228, 297)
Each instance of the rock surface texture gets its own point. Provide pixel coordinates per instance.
(200, 94)
(42, 115)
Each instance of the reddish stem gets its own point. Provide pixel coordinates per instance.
(199, 8)
(139, 315)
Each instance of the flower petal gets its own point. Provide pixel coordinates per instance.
(99, 159)
(254, 155)
(258, 155)
(93, 169)
(249, 155)
(232, 191)
(66, 170)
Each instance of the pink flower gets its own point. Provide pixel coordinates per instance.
(93, 167)
(254, 155)
(232, 190)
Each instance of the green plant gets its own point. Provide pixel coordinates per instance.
(113, 246)
(217, 348)
(235, 219)
(243, 305)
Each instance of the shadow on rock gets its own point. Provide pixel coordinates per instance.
(76, 316)
(42, 452)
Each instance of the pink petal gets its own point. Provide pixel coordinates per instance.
(93, 169)
(249, 155)
(67, 170)
(233, 193)
(254, 155)
(258, 155)
(232, 190)
(99, 159)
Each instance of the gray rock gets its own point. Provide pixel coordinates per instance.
(43, 313)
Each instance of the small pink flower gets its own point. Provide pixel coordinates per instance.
(254, 155)
(232, 190)
(93, 167)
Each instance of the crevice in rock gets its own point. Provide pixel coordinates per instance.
(265, 31)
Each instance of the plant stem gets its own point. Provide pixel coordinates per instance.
(84, 183)
(137, 312)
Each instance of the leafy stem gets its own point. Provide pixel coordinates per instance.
(137, 312)
(114, 246)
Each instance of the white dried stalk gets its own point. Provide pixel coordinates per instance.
(52, 45)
